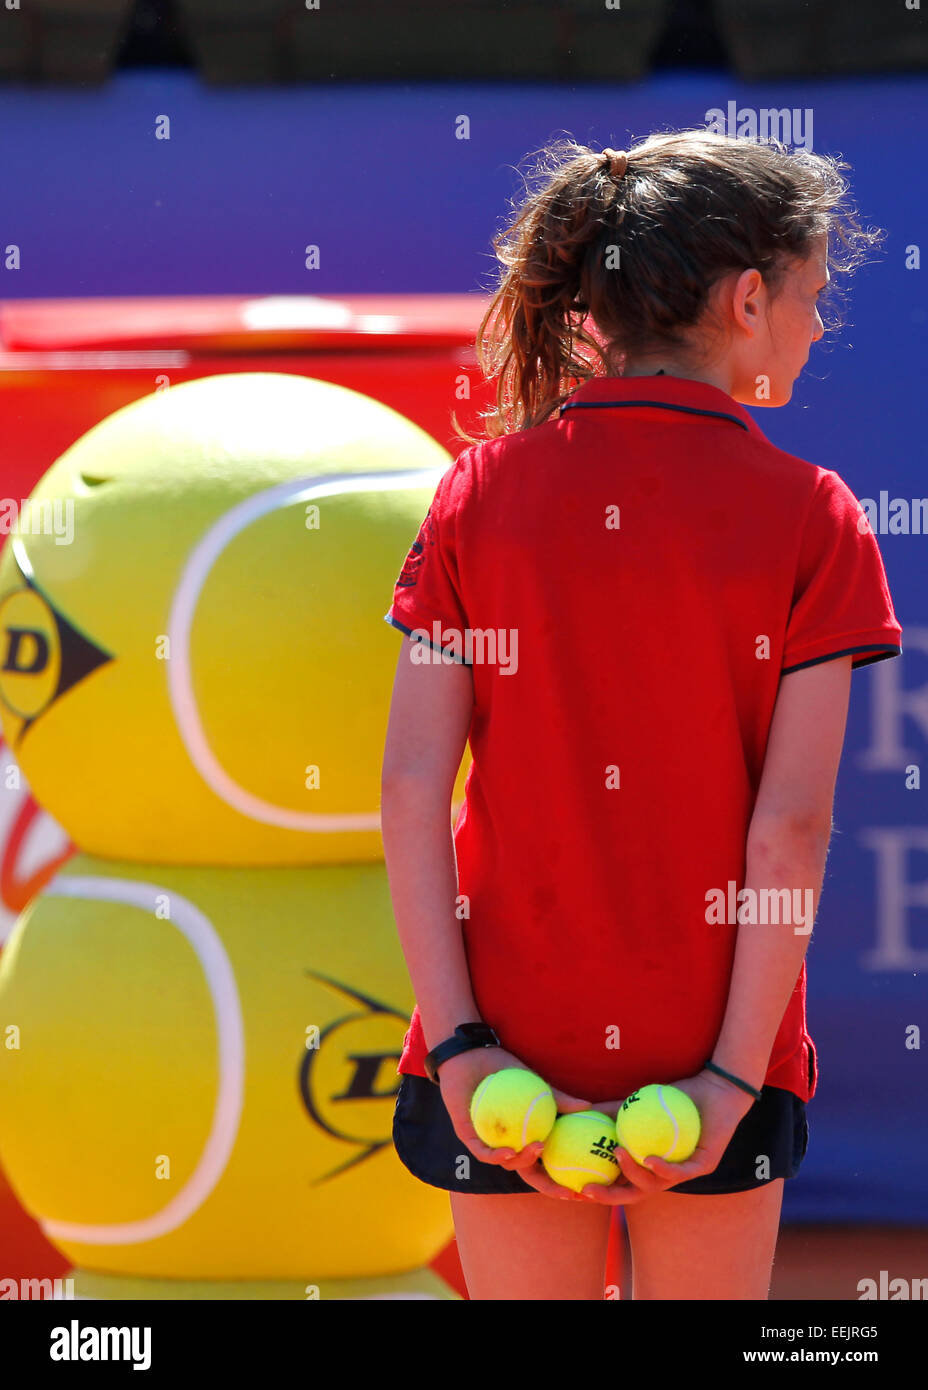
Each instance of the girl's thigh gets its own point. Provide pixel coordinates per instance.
(694, 1246)
(529, 1246)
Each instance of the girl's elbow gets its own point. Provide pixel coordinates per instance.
(400, 782)
(407, 787)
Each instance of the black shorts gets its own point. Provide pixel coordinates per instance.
(427, 1145)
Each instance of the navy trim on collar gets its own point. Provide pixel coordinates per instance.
(659, 405)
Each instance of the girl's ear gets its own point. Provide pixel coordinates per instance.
(749, 301)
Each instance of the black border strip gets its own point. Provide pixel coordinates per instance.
(409, 632)
(884, 652)
(660, 405)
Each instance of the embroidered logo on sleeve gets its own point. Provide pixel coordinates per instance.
(409, 574)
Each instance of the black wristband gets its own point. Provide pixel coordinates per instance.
(466, 1036)
(735, 1080)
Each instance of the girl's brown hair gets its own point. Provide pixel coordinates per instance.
(691, 206)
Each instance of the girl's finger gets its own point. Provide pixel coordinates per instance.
(538, 1179)
(527, 1157)
(483, 1152)
(641, 1177)
(517, 1159)
(674, 1173)
(667, 1172)
(502, 1158)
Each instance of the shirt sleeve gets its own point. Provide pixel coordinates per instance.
(841, 600)
(427, 603)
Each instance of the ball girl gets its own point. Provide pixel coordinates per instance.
(643, 617)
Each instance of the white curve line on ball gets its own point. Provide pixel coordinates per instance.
(230, 1029)
(673, 1120)
(180, 681)
(529, 1113)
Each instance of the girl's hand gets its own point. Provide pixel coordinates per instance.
(460, 1076)
(721, 1106)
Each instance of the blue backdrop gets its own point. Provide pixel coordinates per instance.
(376, 177)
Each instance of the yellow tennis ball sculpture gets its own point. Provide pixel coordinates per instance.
(512, 1108)
(658, 1121)
(202, 1076)
(194, 666)
(203, 1012)
(581, 1149)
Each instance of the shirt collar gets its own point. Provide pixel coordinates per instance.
(670, 393)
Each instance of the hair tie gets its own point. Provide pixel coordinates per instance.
(616, 161)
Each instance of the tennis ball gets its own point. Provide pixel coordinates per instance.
(581, 1149)
(658, 1120)
(240, 1003)
(201, 672)
(512, 1108)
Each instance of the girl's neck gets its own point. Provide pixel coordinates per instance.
(713, 373)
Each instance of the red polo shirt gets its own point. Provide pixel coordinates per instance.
(636, 574)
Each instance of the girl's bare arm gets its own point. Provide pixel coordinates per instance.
(430, 717)
(787, 848)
